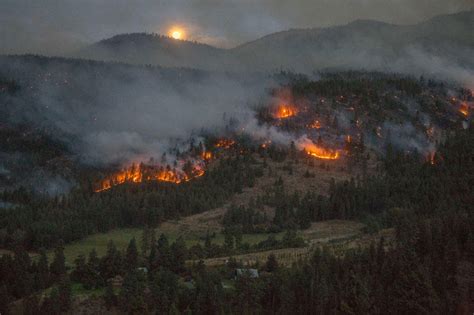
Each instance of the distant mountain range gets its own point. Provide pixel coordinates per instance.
(360, 44)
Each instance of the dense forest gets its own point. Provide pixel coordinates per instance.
(420, 189)
(432, 238)
(430, 207)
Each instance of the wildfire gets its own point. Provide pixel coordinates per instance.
(464, 109)
(322, 153)
(285, 111)
(225, 143)
(431, 132)
(141, 173)
(266, 144)
(431, 158)
(315, 125)
(206, 155)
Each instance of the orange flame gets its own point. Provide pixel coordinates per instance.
(315, 125)
(464, 109)
(206, 155)
(141, 173)
(431, 158)
(225, 143)
(285, 111)
(322, 153)
(266, 144)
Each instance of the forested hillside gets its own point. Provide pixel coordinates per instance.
(390, 153)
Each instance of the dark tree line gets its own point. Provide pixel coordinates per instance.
(22, 276)
(40, 221)
(418, 273)
(408, 182)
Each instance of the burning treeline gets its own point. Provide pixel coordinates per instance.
(190, 168)
(462, 105)
(329, 124)
(183, 169)
(330, 117)
(138, 173)
(304, 125)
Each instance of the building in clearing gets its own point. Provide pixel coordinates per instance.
(251, 273)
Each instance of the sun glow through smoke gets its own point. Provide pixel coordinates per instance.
(176, 33)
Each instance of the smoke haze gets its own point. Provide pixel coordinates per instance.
(55, 27)
(120, 112)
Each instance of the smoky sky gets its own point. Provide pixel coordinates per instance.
(55, 27)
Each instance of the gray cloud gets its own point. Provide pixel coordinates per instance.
(58, 26)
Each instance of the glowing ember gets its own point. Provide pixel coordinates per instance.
(206, 155)
(225, 143)
(315, 125)
(141, 173)
(464, 109)
(431, 158)
(430, 132)
(266, 144)
(285, 111)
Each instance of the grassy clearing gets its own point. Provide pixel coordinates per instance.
(346, 236)
(327, 232)
(122, 237)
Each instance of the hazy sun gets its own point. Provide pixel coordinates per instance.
(176, 33)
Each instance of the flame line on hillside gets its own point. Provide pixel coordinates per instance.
(142, 173)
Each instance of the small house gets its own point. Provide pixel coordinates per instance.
(251, 273)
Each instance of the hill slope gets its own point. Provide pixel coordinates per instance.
(360, 44)
(141, 48)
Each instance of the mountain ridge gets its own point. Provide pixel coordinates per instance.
(358, 44)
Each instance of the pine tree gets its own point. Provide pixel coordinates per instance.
(164, 258)
(110, 297)
(131, 257)
(80, 270)
(52, 304)
(179, 253)
(91, 272)
(238, 238)
(145, 240)
(58, 266)
(93, 261)
(164, 289)
(4, 300)
(65, 295)
(272, 264)
(112, 263)
(43, 276)
(228, 240)
(31, 305)
(131, 299)
(21, 269)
